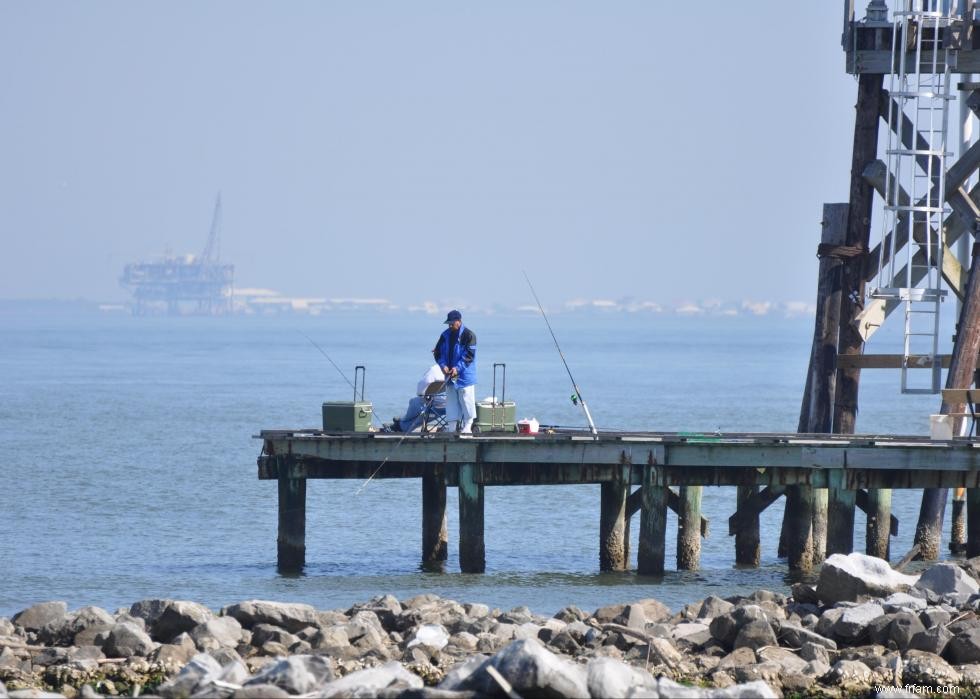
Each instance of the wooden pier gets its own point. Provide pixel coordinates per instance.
(764, 466)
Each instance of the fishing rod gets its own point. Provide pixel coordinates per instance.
(332, 362)
(577, 397)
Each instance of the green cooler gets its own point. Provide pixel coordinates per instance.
(496, 416)
(347, 416)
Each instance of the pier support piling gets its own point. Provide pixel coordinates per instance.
(879, 524)
(653, 525)
(689, 528)
(972, 522)
(747, 539)
(799, 527)
(820, 504)
(840, 515)
(435, 533)
(613, 531)
(472, 551)
(291, 542)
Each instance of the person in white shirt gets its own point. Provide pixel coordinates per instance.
(416, 406)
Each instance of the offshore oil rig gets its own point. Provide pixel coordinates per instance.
(184, 284)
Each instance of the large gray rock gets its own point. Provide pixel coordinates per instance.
(36, 617)
(947, 579)
(725, 628)
(928, 669)
(852, 627)
(531, 669)
(849, 674)
(298, 674)
(176, 617)
(370, 682)
(290, 616)
(714, 606)
(932, 640)
(904, 627)
(847, 577)
(219, 632)
(795, 636)
(964, 647)
(63, 630)
(607, 677)
(127, 640)
(201, 671)
(755, 635)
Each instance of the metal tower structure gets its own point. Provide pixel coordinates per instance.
(185, 285)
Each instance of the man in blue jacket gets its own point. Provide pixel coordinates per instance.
(455, 353)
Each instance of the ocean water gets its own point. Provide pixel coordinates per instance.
(129, 466)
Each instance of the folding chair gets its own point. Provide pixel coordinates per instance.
(434, 418)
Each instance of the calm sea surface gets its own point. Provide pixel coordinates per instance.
(129, 467)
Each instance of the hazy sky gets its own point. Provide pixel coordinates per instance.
(415, 150)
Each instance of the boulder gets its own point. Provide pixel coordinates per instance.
(794, 636)
(755, 635)
(964, 647)
(932, 640)
(904, 626)
(852, 627)
(433, 636)
(928, 669)
(217, 632)
(530, 668)
(36, 617)
(904, 602)
(790, 662)
(725, 628)
(849, 674)
(199, 672)
(263, 633)
(62, 631)
(371, 682)
(127, 640)
(847, 577)
(714, 606)
(290, 616)
(947, 579)
(607, 677)
(176, 617)
(298, 674)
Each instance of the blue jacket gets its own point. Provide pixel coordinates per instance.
(461, 354)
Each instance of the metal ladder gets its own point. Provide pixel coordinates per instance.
(915, 202)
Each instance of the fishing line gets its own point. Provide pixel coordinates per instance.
(397, 444)
(577, 396)
(374, 415)
(332, 363)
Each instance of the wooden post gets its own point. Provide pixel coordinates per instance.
(821, 498)
(957, 537)
(840, 515)
(435, 533)
(653, 525)
(291, 542)
(472, 551)
(747, 550)
(805, 542)
(928, 531)
(689, 528)
(973, 522)
(840, 505)
(878, 527)
(799, 529)
(612, 522)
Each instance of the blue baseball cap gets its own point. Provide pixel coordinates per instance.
(452, 316)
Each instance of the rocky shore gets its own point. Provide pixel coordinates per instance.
(863, 630)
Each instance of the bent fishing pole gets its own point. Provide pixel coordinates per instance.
(577, 396)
